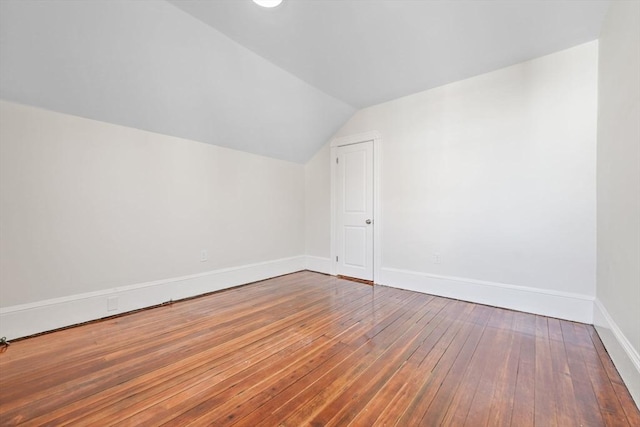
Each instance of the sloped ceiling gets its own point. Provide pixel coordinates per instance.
(365, 52)
(149, 65)
(276, 82)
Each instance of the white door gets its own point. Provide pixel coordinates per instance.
(354, 210)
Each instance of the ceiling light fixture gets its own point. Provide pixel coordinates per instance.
(267, 3)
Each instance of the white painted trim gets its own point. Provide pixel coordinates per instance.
(562, 305)
(376, 137)
(625, 357)
(318, 264)
(28, 319)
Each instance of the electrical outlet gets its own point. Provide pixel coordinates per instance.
(436, 258)
(112, 303)
(204, 255)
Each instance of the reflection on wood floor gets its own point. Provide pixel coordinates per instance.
(310, 349)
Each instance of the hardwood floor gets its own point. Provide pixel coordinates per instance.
(309, 349)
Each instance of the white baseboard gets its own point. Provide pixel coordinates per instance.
(319, 264)
(562, 305)
(28, 319)
(622, 352)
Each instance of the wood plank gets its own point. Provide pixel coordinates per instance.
(227, 403)
(105, 331)
(504, 391)
(565, 402)
(202, 386)
(604, 379)
(390, 402)
(435, 366)
(138, 362)
(204, 420)
(545, 389)
(351, 400)
(222, 358)
(125, 347)
(180, 372)
(588, 410)
(310, 349)
(523, 411)
(450, 386)
(366, 350)
(288, 390)
(496, 361)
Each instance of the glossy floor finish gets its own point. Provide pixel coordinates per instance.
(309, 349)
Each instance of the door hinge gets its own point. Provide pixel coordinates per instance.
(337, 161)
(336, 259)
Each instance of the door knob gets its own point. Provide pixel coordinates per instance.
(368, 221)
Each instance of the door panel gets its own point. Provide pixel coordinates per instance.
(354, 237)
(355, 247)
(355, 185)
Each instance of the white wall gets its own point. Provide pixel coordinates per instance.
(88, 206)
(496, 175)
(617, 312)
(317, 208)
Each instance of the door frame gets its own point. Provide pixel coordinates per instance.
(376, 137)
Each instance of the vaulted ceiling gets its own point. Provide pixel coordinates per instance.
(276, 82)
(364, 52)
